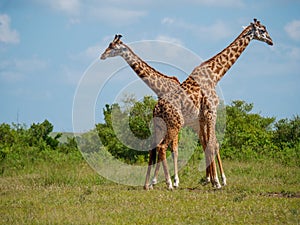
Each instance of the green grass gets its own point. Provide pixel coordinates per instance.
(72, 193)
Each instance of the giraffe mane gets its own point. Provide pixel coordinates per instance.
(175, 79)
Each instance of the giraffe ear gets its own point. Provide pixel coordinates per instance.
(256, 21)
(116, 38)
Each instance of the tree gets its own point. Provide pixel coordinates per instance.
(39, 135)
(140, 116)
(247, 134)
(116, 129)
(287, 133)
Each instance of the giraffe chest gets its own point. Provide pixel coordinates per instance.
(169, 111)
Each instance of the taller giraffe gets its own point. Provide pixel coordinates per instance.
(197, 100)
(219, 65)
(158, 82)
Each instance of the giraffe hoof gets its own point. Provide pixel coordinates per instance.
(154, 182)
(224, 182)
(148, 187)
(176, 185)
(170, 188)
(205, 181)
(217, 186)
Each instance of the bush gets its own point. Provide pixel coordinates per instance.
(250, 135)
(126, 125)
(21, 147)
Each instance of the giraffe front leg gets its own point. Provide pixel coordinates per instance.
(215, 180)
(202, 134)
(147, 186)
(167, 175)
(175, 160)
(207, 178)
(223, 177)
(212, 146)
(176, 177)
(210, 161)
(154, 180)
(162, 157)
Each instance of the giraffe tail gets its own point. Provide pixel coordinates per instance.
(153, 156)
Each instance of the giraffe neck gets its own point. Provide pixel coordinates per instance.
(158, 82)
(221, 63)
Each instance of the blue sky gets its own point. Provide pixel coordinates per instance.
(46, 46)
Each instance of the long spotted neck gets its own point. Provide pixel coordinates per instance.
(221, 63)
(158, 82)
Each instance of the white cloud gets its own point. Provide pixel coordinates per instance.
(287, 52)
(70, 7)
(116, 15)
(167, 20)
(218, 3)
(293, 30)
(89, 54)
(112, 11)
(169, 39)
(71, 75)
(7, 35)
(17, 69)
(215, 31)
(295, 53)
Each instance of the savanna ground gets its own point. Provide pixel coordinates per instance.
(68, 192)
(44, 179)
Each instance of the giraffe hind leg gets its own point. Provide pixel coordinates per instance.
(151, 162)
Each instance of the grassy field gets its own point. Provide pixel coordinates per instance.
(72, 193)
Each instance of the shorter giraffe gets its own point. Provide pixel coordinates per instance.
(158, 82)
(197, 100)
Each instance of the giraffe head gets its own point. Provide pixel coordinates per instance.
(259, 32)
(115, 48)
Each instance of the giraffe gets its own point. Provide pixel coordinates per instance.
(160, 84)
(197, 100)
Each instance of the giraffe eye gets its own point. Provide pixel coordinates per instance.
(261, 31)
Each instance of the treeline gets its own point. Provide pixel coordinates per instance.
(250, 135)
(243, 135)
(21, 146)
